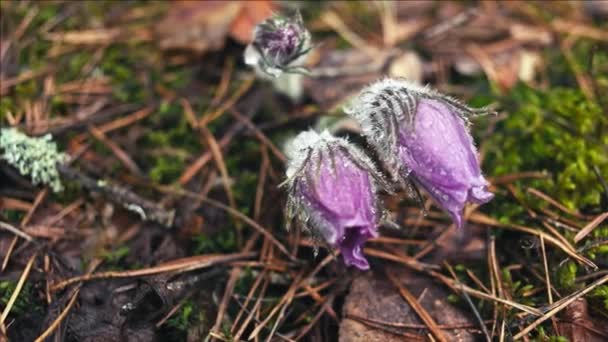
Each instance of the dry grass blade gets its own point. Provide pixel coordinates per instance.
(563, 303)
(324, 308)
(234, 276)
(208, 118)
(589, 227)
(546, 266)
(251, 312)
(121, 122)
(250, 294)
(15, 231)
(182, 265)
(419, 309)
(261, 136)
(9, 252)
(284, 302)
(555, 203)
(231, 211)
(20, 283)
(39, 198)
(402, 259)
(486, 220)
(123, 156)
(60, 318)
(457, 286)
(510, 178)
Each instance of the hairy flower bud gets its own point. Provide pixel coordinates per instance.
(332, 193)
(420, 133)
(278, 42)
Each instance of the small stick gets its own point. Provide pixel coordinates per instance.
(482, 324)
(20, 283)
(181, 265)
(146, 209)
(589, 227)
(60, 318)
(546, 265)
(419, 309)
(564, 303)
(15, 231)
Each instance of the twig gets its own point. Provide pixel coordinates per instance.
(9, 252)
(231, 211)
(482, 324)
(555, 203)
(486, 220)
(258, 133)
(589, 227)
(15, 231)
(208, 118)
(39, 198)
(123, 156)
(419, 309)
(285, 300)
(250, 295)
(60, 318)
(251, 313)
(324, 308)
(546, 265)
(562, 304)
(234, 276)
(15, 294)
(181, 265)
(147, 210)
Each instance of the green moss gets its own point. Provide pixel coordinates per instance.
(26, 301)
(12, 215)
(566, 275)
(166, 169)
(115, 256)
(558, 131)
(245, 281)
(188, 315)
(222, 242)
(182, 319)
(601, 293)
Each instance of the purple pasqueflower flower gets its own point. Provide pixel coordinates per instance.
(332, 192)
(422, 136)
(277, 43)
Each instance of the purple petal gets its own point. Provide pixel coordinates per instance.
(440, 153)
(345, 198)
(352, 243)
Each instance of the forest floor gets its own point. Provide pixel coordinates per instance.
(170, 225)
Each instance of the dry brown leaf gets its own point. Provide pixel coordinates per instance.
(198, 26)
(201, 26)
(252, 12)
(374, 311)
(577, 325)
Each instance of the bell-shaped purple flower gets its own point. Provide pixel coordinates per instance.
(277, 43)
(332, 193)
(422, 136)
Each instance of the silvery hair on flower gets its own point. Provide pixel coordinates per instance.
(388, 104)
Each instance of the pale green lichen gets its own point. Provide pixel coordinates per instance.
(35, 157)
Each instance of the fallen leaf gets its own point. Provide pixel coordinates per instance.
(374, 310)
(198, 26)
(201, 26)
(577, 325)
(252, 13)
